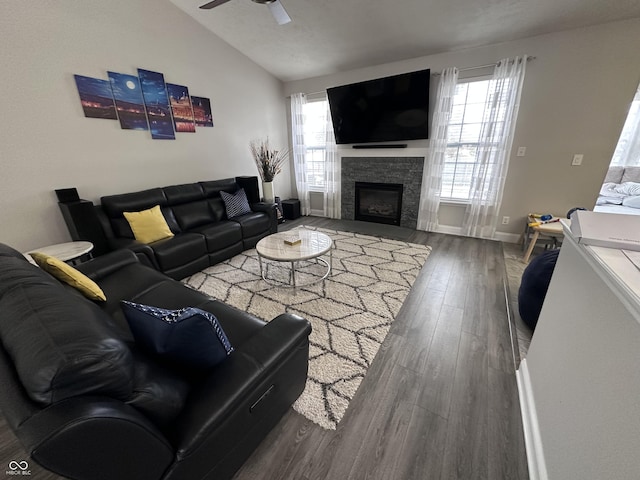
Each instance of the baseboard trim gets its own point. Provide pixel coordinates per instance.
(501, 236)
(449, 230)
(532, 438)
(508, 237)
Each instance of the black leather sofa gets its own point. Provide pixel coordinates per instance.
(195, 213)
(86, 403)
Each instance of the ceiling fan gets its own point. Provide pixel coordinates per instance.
(277, 10)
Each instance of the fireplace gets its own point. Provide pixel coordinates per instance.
(378, 202)
(392, 170)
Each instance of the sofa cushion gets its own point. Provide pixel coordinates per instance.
(236, 204)
(185, 193)
(614, 175)
(631, 174)
(115, 205)
(148, 226)
(253, 224)
(157, 391)
(179, 250)
(189, 336)
(69, 275)
(217, 207)
(221, 234)
(193, 214)
(63, 345)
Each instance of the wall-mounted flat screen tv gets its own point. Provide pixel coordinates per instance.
(382, 110)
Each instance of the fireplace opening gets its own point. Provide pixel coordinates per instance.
(378, 202)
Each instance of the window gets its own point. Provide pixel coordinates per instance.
(315, 135)
(465, 126)
(627, 151)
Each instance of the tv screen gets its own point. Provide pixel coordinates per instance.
(382, 110)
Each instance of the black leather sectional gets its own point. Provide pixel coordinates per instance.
(196, 214)
(87, 403)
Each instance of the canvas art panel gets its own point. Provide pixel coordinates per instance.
(129, 104)
(202, 111)
(180, 100)
(156, 103)
(96, 97)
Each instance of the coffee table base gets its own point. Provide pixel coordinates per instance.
(292, 283)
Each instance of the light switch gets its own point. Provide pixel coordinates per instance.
(521, 151)
(577, 159)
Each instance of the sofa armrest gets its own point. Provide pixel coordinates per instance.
(95, 437)
(144, 252)
(100, 267)
(239, 382)
(263, 207)
(271, 210)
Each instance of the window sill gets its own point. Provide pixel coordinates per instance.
(451, 201)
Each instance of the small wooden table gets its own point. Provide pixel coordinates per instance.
(312, 245)
(553, 230)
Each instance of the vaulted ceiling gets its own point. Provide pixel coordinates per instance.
(327, 36)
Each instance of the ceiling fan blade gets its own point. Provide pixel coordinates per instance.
(213, 4)
(279, 13)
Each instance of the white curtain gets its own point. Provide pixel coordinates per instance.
(332, 186)
(496, 139)
(434, 162)
(299, 150)
(627, 152)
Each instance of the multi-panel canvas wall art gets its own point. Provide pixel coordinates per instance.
(202, 111)
(96, 97)
(181, 108)
(129, 103)
(156, 102)
(144, 102)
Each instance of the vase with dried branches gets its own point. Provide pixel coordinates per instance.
(269, 162)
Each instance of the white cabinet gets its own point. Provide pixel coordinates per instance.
(580, 382)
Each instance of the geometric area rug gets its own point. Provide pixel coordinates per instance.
(350, 312)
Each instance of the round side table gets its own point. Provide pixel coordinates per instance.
(67, 252)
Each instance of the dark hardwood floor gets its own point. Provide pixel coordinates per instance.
(440, 400)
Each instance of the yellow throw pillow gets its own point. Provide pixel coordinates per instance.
(148, 225)
(67, 274)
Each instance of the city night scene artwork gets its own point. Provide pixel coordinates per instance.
(129, 104)
(181, 108)
(202, 111)
(95, 97)
(157, 105)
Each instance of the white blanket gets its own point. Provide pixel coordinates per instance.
(616, 193)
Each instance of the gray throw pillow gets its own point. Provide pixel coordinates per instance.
(236, 203)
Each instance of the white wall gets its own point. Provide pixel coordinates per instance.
(46, 143)
(576, 94)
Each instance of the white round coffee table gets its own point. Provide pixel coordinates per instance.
(312, 245)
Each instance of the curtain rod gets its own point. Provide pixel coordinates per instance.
(437, 74)
(489, 65)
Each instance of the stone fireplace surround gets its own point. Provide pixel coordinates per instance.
(404, 170)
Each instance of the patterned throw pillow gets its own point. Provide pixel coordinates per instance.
(190, 337)
(236, 203)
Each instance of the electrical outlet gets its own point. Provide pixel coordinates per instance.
(577, 159)
(505, 220)
(521, 151)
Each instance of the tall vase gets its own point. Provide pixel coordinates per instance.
(267, 192)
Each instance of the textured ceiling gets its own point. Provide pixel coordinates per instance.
(328, 36)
